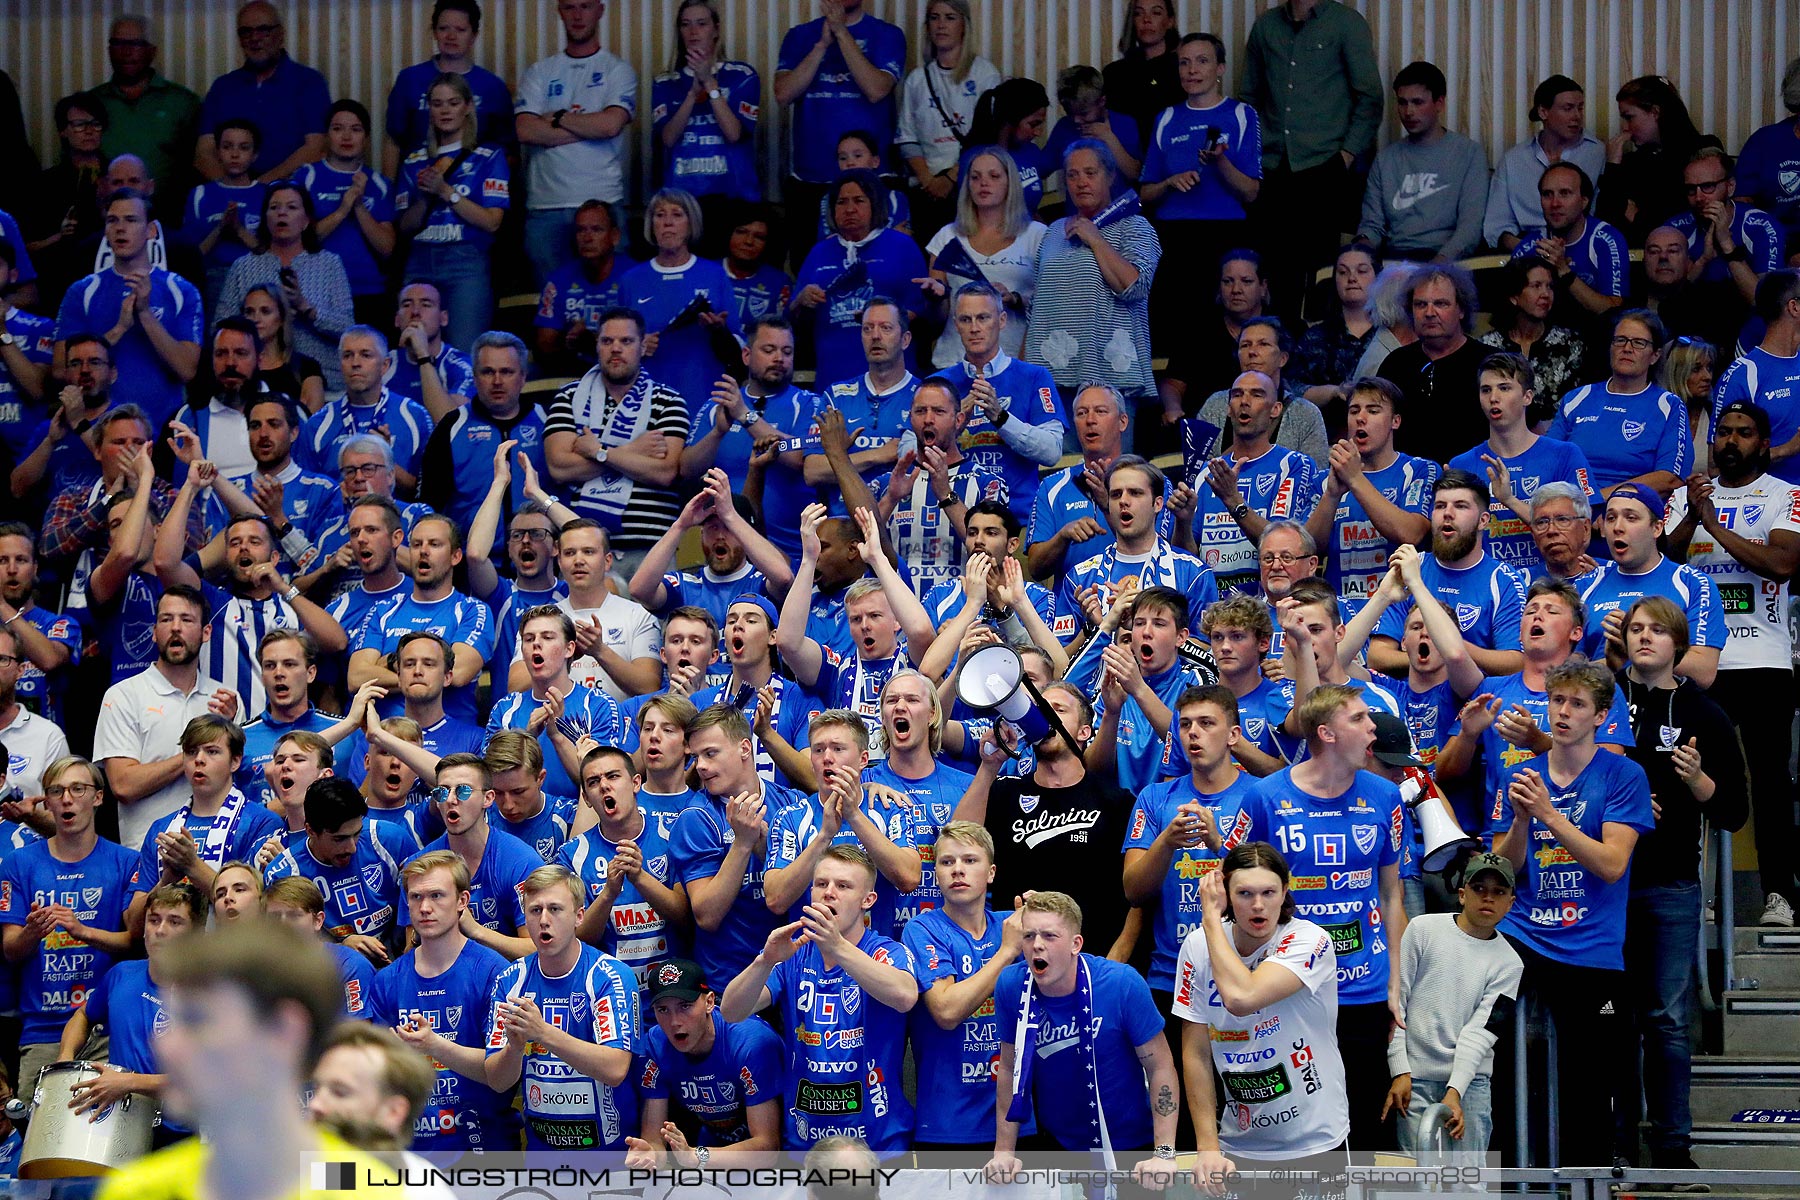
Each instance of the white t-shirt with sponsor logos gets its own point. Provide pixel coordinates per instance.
(1755, 608)
(1283, 1077)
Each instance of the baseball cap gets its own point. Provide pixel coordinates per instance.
(1478, 864)
(1644, 495)
(1393, 742)
(680, 978)
(762, 602)
(1756, 412)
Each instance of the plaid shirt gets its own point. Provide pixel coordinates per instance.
(73, 524)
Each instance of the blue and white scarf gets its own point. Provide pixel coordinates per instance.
(610, 490)
(1025, 1052)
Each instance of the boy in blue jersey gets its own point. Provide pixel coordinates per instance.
(1487, 594)
(522, 805)
(1136, 690)
(1135, 514)
(839, 814)
(1568, 820)
(1313, 637)
(222, 215)
(1081, 1052)
(289, 662)
(634, 912)
(301, 500)
(434, 604)
(351, 863)
(727, 1076)
(1516, 461)
(296, 902)
(565, 1018)
(1374, 498)
(1004, 597)
(62, 909)
(736, 559)
(1632, 526)
(1768, 374)
(1340, 825)
(719, 847)
(662, 750)
(1255, 483)
(913, 726)
(842, 990)
(127, 1002)
(690, 646)
(748, 643)
(959, 950)
(218, 824)
(435, 997)
(554, 708)
(1239, 631)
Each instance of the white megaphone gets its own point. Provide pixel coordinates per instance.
(993, 680)
(1443, 837)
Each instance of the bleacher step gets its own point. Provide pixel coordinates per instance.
(1777, 969)
(1738, 1146)
(1724, 1085)
(1763, 1021)
(1766, 939)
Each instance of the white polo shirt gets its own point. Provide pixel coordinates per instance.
(32, 743)
(565, 176)
(142, 718)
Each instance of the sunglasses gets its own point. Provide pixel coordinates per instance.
(443, 793)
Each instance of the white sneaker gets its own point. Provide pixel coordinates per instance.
(1777, 911)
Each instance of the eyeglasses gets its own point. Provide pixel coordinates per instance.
(128, 43)
(1285, 559)
(366, 470)
(1710, 185)
(528, 535)
(245, 31)
(84, 126)
(1558, 523)
(9, 660)
(1620, 343)
(76, 790)
(442, 794)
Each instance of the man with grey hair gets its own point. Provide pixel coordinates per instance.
(1438, 374)
(1068, 517)
(285, 100)
(148, 115)
(366, 406)
(1562, 522)
(459, 463)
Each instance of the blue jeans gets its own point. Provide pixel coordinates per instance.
(461, 274)
(1662, 934)
(1412, 896)
(1478, 1114)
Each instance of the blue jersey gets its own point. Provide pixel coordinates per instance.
(661, 809)
(1774, 383)
(947, 599)
(13, 838)
(597, 1001)
(697, 848)
(446, 735)
(793, 828)
(1430, 718)
(855, 683)
(1624, 436)
(494, 897)
(1337, 847)
(1178, 906)
(956, 1065)
(41, 693)
(1144, 756)
(765, 293)
(205, 212)
(1611, 588)
(876, 420)
(1357, 559)
(1028, 394)
(21, 418)
(547, 830)
(1279, 484)
(1060, 502)
(934, 805)
(1260, 714)
(460, 620)
(1768, 168)
(1753, 230)
(701, 588)
(454, 371)
(1548, 460)
(217, 839)
(638, 935)
(1599, 257)
(588, 709)
(684, 358)
(463, 1113)
(327, 185)
(1565, 911)
(509, 603)
(352, 606)
(703, 163)
(793, 711)
(1500, 756)
(260, 738)
(846, 1051)
(92, 304)
(311, 503)
(59, 974)
(834, 105)
(1165, 566)
(361, 896)
(785, 492)
(1126, 1017)
(742, 1070)
(1488, 598)
(479, 174)
(407, 828)
(404, 423)
(127, 626)
(569, 295)
(1379, 692)
(358, 978)
(237, 627)
(920, 529)
(886, 265)
(1177, 139)
(408, 116)
(130, 1006)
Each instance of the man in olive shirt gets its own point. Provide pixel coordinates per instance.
(1310, 72)
(147, 114)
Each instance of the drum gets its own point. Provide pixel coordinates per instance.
(61, 1143)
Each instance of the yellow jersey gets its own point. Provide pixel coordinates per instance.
(177, 1172)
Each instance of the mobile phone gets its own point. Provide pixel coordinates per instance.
(745, 694)
(289, 276)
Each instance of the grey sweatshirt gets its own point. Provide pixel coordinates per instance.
(1427, 196)
(1449, 982)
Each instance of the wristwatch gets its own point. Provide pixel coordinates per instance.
(1166, 1153)
(7, 339)
(600, 456)
(713, 94)
(1237, 514)
(702, 1153)
(556, 118)
(752, 418)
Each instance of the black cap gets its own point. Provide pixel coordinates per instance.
(1393, 742)
(680, 978)
(1755, 412)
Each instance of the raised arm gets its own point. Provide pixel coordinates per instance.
(803, 656)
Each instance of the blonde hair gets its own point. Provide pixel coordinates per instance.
(1321, 705)
(1058, 904)
(68, 762)
(965, 57)
(1238, 612)
(554, 875)
(460, 86)
(935, 733)
(511, 749)
(405, 1072)
(295, 891)
(969, 834)
(434, 860)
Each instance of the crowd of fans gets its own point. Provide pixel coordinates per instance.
(654, 715)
